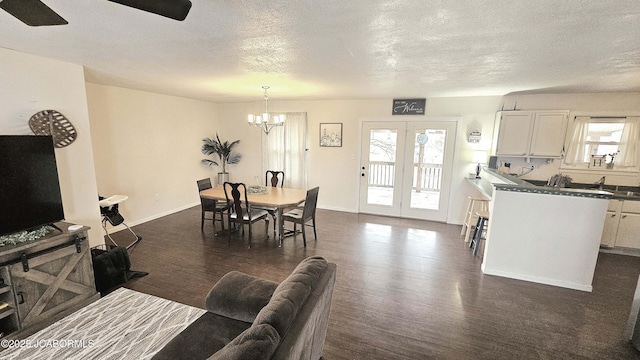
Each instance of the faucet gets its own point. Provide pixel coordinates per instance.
(601, 183)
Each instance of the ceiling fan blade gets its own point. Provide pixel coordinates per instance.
(32, 12)
(173, 9)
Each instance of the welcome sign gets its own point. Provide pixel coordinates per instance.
(408, 106)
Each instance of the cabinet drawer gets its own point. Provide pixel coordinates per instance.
(630, 206)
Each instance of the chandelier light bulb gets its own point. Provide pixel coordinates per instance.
(265, 121)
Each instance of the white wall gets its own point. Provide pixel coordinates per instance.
(31, 84)
(147, 146)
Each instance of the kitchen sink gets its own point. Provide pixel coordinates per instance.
(625, 194)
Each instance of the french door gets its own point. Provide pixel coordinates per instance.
(406, 168)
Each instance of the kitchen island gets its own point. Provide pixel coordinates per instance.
(542, 234)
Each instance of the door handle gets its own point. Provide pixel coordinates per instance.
(21, 296)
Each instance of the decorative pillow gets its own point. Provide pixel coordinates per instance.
(239, 296)
(256, 343)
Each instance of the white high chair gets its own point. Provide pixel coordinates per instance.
(110, 213)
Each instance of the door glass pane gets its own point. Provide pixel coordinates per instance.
(382, 159)
(428, 157)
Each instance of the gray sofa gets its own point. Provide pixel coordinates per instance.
(252, 318)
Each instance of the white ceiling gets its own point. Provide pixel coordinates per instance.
(346, 49)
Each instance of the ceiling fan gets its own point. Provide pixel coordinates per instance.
(36, 13)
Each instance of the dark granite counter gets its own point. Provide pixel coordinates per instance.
(491, 178)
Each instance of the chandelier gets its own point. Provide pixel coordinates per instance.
(265, 121)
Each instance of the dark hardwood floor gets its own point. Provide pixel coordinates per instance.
(405, 289)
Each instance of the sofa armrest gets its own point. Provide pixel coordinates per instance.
(239, 296)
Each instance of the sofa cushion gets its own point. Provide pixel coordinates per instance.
(239, 296)
(208, 334)
(255, 343)
(291, 295)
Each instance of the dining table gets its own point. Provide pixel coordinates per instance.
(275, 197)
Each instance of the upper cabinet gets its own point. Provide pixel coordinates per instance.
(531, 133)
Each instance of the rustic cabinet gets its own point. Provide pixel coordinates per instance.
(8, 315)
(531, 133)
(45, 280)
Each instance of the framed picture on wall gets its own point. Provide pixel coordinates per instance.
(331, 134)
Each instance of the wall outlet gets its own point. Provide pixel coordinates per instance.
(156, 197)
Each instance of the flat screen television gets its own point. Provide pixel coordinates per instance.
(29, 186)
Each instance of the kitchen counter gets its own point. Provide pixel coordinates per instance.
(512, 183)
(505, 182)
(542, 234)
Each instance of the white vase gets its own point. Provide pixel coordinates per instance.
(222, 177)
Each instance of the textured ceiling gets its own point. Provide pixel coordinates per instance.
(334, 49)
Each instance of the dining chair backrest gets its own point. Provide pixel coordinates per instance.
(207, 204)
(237, 190)
(204, 184)
(275, 178)
(310, 203)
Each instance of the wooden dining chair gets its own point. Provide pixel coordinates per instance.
(210, 205)
(273, 178)
(240, 214)
(303, 215)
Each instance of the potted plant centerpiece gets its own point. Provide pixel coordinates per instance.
(225, 153)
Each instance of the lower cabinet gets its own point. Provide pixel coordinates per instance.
(628, 231)
(622, 224)
(44, 283)
(8, 315)
(610, 230)
(54, 282)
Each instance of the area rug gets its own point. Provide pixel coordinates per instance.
(125, 324)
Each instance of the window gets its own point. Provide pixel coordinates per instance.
(603, 143)
(285, 149)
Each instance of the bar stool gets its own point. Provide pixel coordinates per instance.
(481, 227)
(476, 203)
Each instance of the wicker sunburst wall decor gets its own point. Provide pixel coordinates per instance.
(52, 122)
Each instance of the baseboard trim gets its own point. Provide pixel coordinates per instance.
(338, 209)
(539, 280)
(118, 228)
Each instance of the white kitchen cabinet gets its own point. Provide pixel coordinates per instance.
(531, 133)
(549, 130)
(611, 222)
(629, 227)
(622, 224)
(629, 231)
(513, 134)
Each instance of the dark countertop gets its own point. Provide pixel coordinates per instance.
(511, 183)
